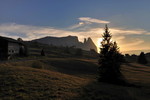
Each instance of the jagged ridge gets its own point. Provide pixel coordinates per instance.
(68, 41)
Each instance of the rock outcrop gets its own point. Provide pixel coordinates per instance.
(69, 41)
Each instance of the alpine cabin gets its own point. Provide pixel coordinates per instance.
(10, 47)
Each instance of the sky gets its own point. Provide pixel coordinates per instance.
(128, 20)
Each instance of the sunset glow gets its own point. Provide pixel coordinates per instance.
(75, 49)
(128, 30)
(99, 43)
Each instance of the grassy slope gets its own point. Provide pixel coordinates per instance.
(28, 83)
(68, 78)
(140, 74)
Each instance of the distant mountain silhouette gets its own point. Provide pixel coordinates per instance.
(68, 41)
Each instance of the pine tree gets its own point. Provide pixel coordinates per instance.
(110, 60)
(42, 52)
(142, 59)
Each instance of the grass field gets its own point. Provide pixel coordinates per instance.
(68, 79)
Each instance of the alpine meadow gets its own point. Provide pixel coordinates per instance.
(74, 50)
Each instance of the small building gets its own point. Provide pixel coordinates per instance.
(10, 47)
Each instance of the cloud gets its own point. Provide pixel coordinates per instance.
(117, 31)
(127, 31)
(92, 20)
(135, 43)
(86, 23)
(77, 25)
(148, 33)
(120, 37)
(82, 30)
(28, 32)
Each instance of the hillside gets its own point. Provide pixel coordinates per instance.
(52, 51)
(68, 41)
(62, 75)
(68, 79)
(28, 83)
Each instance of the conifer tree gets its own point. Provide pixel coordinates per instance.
(110, 60)
(43, 52)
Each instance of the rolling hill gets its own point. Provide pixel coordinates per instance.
(68, 79)
(64, 76)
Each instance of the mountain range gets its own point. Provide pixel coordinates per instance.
(69, 41)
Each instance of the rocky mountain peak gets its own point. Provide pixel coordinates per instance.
(68, 41)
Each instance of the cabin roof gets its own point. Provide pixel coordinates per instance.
(10, 40)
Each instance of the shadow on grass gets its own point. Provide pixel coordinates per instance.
(104, 91)
(73, 67)
(137, 67)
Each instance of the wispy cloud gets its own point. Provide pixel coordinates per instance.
(117, 31)
(134, 43)
(127, 31)
(120, 38)
(28, 32)
(93, 20)
(77, 25)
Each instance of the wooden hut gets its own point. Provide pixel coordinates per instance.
(9, 47)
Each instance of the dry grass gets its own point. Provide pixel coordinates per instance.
(137, 73)
(30, 83)
(68, 79)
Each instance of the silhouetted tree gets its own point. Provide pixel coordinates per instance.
(127, 55)
(20, 39)
(133, 55)
(142, 59)
(79, 52)
(110, 60)
(42, 52)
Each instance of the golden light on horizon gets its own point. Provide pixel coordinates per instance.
(99, 40)
(99, 43)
